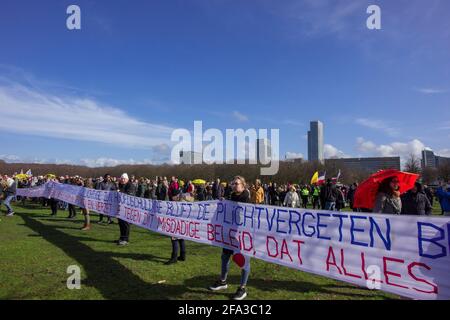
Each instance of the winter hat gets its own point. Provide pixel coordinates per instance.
(124, 176)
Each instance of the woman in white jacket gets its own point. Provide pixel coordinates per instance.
(291, 200)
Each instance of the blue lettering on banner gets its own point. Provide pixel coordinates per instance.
(259, 209)
(311, 227)
(296, 222)
(249, 216)
(270, 222)
(385, 238)
(280, 220)
(237, 216)
(319, 225)
(341, 223)
(353, 230)
(434, 240)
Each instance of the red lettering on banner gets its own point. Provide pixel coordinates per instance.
(299, 243)
(333, 262)
(196, 230)
(233, 237)
(363, 266)
(223, 238)
(216, 233)
(343, 267)
(387, 273)
(177, 228)
(285, 250)
(249, 236)
(418, 264)
(267, 246)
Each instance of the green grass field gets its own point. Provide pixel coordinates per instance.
(36, 250)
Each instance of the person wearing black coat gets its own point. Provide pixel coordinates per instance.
(106, 185)
(328, 196)
(415, 202)
(351, 195)
(274, 195)
(217, 190)
(126, 186)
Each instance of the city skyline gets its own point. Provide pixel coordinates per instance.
(112, 92)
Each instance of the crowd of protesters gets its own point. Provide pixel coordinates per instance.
(328, 196)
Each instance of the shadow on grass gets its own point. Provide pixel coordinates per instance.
(103, 272)
(115, 281)
(288, 285)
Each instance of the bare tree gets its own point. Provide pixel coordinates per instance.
(444, 171)
(412, 164)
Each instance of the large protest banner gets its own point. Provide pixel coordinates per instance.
(405, 255)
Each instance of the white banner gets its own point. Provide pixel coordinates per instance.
(405, 255)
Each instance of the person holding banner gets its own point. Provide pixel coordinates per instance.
(106, 185)
(9, 190)
(239, 194)
(128, 187)
(88, 183)
(388, 197)
(178, 244)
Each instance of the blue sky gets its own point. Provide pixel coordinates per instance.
(113, 91)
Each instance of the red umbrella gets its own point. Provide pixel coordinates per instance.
(367, 191)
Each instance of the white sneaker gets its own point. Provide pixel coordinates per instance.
(10, 214)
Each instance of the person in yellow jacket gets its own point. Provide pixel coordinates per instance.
(305, 194)
(257, 193)
(315, 197)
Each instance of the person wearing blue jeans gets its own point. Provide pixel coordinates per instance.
(226, 256)
(239, 194)
(10, 193)
(7, 203)
(330, 205)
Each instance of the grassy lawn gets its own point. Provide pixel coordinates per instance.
(36, 250)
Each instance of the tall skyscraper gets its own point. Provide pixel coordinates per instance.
(315, 141)
(428, 159)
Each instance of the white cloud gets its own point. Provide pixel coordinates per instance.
(379, 125)
(331, 152)
(89, 162)
(293, 123)
(317, 17)
(402, 149)
(431, 90)
(239, 116)
(293, 155)
(443, 153)
(30, 111)
(109, 162)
